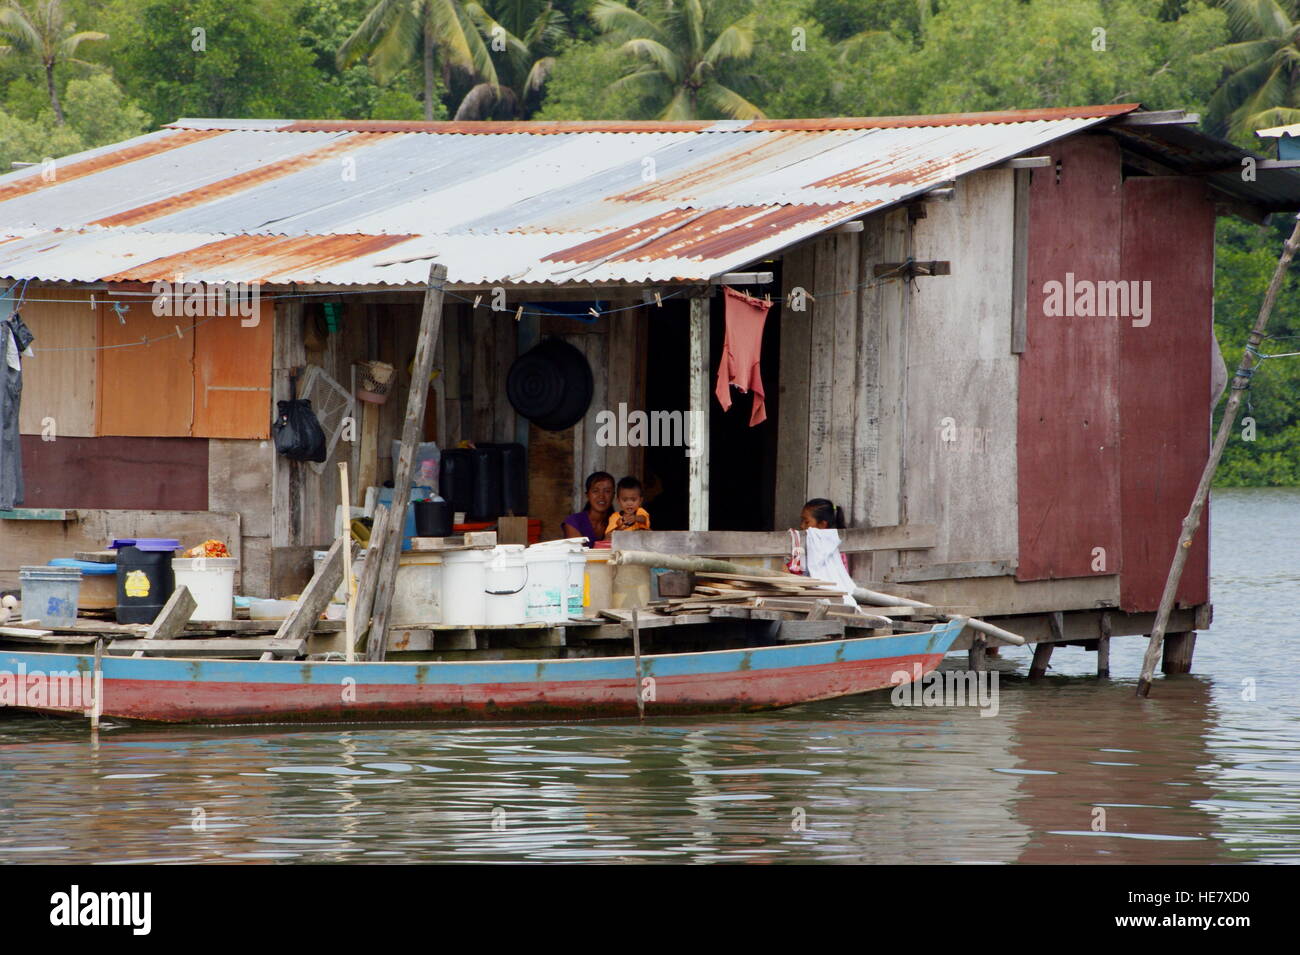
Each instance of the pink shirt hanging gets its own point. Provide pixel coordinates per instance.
(741, 350)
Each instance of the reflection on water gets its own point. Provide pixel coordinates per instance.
(1199, 772)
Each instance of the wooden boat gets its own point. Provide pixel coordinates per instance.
(189, 690)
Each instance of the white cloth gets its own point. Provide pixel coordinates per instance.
(822, 551)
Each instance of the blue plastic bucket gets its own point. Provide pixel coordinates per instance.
(50, 594)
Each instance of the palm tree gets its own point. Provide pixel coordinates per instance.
(682, 54)
(1262, 83)
(526, 65)
(395, 32)
(43, 35)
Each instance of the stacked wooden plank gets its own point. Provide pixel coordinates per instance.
(790, 598)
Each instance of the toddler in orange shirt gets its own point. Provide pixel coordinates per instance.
(630, 516)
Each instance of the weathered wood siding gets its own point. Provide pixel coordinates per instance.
(959, 460)
(1164, 384)
(1068, 423)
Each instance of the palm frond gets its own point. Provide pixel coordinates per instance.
(622, 22)
(730, 103)
(478, 102)
(373, 29)
(664, 59)
(736, 42)
(679, 107)
(69, 46)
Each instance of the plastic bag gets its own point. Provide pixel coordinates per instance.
(298, 435)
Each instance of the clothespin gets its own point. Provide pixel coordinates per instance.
(593, 313)
(519, 314)
(120, 311)
(477, 299)
(659, 302)
(178, 332)
(767, 299)
(92, 301)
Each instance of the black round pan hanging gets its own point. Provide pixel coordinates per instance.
(551, 385)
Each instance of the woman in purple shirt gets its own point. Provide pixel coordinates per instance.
(590, 522)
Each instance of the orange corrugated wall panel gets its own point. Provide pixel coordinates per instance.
(145, 390)
(232, 377)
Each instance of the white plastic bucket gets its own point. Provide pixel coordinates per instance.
(464, 601)
(577, 580)
(417, 592)
(211, 581)
(548, 583)
(505, 583)
(598, 585)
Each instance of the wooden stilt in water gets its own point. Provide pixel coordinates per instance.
(976, 658)
(636, 653)
(1178, 651)
(1240, 382)
(1042, 656)
(1103, 648)
(97, 682)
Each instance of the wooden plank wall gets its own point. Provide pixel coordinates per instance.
(1164, 384)
(60, 385)
(239, 482)
(881, 374)
(1068, 411)
(960, 454)
(816, 433)
(24, 543)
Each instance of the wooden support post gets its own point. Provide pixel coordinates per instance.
(349, 585)
(368, 457)
(1103, 648)
(314, 598)
(1240, 382)
(636, 653)
(412, 432)
(1043, 651)
(1178, 651)
(977, 657)
(1042, 655)
(698, 514)
(97, 684)
(369, 573)
(173, 617)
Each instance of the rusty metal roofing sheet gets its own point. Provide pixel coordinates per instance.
(373, 203)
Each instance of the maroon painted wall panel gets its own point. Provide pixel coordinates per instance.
(1068, 420)
(1165, 384)
(168, 474)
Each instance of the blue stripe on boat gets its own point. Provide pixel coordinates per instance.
(937, 640)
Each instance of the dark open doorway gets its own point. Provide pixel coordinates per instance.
(742, 460)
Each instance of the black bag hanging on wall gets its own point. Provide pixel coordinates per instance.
(298, 435)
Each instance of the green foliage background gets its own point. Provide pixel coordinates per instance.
(276, 58)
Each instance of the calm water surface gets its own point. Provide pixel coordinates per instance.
(1200, 772)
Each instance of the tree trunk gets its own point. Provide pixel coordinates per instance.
(54, 93)
(428, 73)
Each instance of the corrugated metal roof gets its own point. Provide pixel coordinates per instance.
(373, 203)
